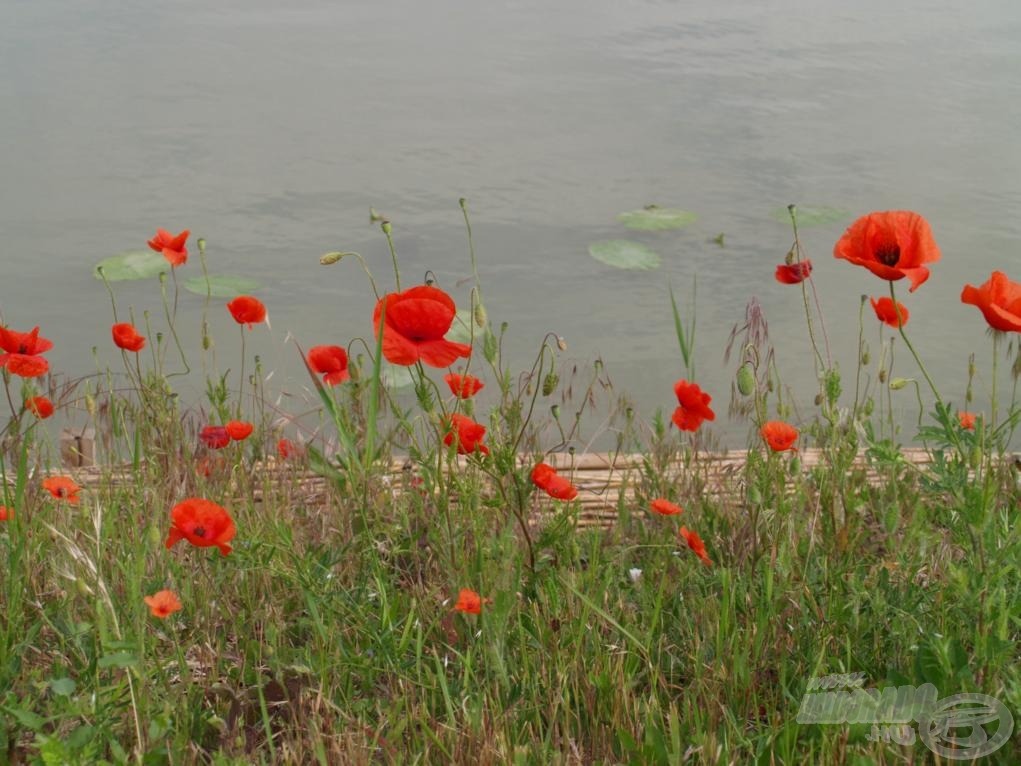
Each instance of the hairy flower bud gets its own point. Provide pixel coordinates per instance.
(746, 379)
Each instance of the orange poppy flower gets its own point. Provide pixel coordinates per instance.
(125, 336)
(27, 343)
(469, 435)
(470, 602)
(463, 386)
(415, 323)
(967, 420)
(25, 365)
(202, 523)
(247, 310)
(239, 430)
(695, 543)
(62, 488)
(6, 513)
(793, 273)
(999, 300)
(171, 246)
(331, 360)
(207, 466)
(892, 245)
(664, 507)
(780, 436)
(546, 478)
(163, 604)
(887, 314)
(214, 437)
(39, 406)
(694, 406)
(287, 449)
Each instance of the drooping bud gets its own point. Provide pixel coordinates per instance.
(555, 411)
(870, 405)
(330, 258)
(480, 315)
(882, 376)
(561, 343)
(549, 383)
(896, 384)
(746, 379)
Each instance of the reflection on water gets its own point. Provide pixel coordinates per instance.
(270, 131)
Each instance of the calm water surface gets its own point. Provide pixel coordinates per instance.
(271, 131)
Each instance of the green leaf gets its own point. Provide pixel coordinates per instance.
(136, 264)
(63, 687)
(221, 286)
(26, 718)
(117, 660)
(654, 218)
(624, 254)
(810, 216)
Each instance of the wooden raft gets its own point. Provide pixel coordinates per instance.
(604, 480)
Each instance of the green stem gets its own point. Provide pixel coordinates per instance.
(393, 252)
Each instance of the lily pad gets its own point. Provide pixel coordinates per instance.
(136, 264)
(221, 286)
(655, 218)
(395, 376)
(811, 216)
(461, 330)
(624, 254)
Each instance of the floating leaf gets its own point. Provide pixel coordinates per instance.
(137, 264)
(221, 286)
(461, 330)
(654, 218)
(811, 216)
(624, 254)
(396, 376)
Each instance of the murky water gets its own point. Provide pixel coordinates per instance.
(271, 130)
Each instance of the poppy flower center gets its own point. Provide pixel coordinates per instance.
(888, 255)
(199, 531)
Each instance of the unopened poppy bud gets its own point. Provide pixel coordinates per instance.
(598, 365)
(746, 379)
(754, 495)
(770, 385)
(330, 258)
(480, 315)
(789, 258)
(975, 457)
(865, 357)
(896, 384)
(201, 242)
(629, 413)
(207, 342)
(561, 343)
(971, 366)
(386, 227)
(159, 338)
(968, 396)
(462, 202)
(549, 384)
(374, 216)
(882, 376)
(489, 347)
(868, 408)
(555, 411)
(795, 465)
(818, 400)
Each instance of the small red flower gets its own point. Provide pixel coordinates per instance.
(887, 314)
(27, 343)
(695, 543)
(62, 488)
(207, 466)
(416, 321)
(999, 300)
(287, 449)
(202, 523)
(664, 507)
(214, 437)
(469, 435)
(463, 386)
(238, 430)
(470, 602)
(24, 365)
(6, 513)
(892, 245)
(39, 406)
(967, 420)
(546, 478)
(780, 436)
(793, 273)
(163, 604)
(331, 360)
(694, 406)
(247, 310)
(125, 336)
(172, 247)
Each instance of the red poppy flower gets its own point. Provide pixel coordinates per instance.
(247, 310)
(287, 449)
(694, 406)
(206, 466)
(967, 420)
(469, 435)
(163, 604)
(331, 360)
(6, 513)
(27, 343)
(892, 245)
(202, 523)
(695, 543)
(39, 406)
(463, 386)
(470, 602)
(24, 365)
(546, 478)
(172, 247)
(887, 314)
(780, 436)
(999, 300)
(664, 507)
(416, 321)
(793, 273)
(125, 336)
(214, 437)
(62, 488)
(238, 430)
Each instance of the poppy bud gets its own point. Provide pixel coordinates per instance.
(818, 400)
(795, 465)
(489, 347)
(555, 411)
(201, 242)
(549, 384)
(462, 202)
(746, 379)
(869, 406)
(896, 384)
(770, 385)
(207, 342)
(629, 413)
(561, 343)
(789, 258)
(480, 315)
(968, 396)
(386, 227)
(882, 376)
(754, 495)
(975, 458)
(865, 355)
(971, 366)
(374, 216)
(330, 258)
